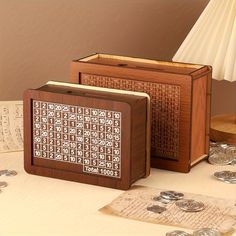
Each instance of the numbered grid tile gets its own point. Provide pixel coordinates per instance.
(80, 135)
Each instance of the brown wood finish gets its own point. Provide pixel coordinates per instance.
(198, 119)
(223, 128)
(180, 97)
(133, 156)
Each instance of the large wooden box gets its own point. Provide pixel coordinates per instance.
(180, 97)
(94, 136)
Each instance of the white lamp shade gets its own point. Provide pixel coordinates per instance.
(212, 40)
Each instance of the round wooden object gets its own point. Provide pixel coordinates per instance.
(223, 128)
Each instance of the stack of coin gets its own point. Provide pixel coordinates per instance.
(167, 197)
(162, 200)
(222, 154)
(226, 176)
(171, 195)
(190, 205)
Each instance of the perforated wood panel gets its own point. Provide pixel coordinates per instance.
(165, 99)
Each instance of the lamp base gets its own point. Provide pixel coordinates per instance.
(223, 129)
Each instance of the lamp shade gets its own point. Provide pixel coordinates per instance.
(212, 40)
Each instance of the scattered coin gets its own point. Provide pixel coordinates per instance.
(207, 232)
(190, 205)
(222, 154)
(171, 195)
(3, 184)
(223, 145)
(156, 209)
(233, 162)
(222, 174)
(230, 181)
(220, 158)
(177, 233)
(162, 200)
(11, 173)
(226, 176)
(3, 172)
(8, 172)
(213, 144)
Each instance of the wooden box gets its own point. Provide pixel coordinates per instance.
(180, 98)
(95, 136)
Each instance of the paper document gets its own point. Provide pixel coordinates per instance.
(11, 126)
(133, 204)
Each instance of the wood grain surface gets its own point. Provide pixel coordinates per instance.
(180, 97)
(131, 128)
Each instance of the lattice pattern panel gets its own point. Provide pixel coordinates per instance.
(165, 99)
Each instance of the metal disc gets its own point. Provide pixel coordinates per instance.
(162, 200)
(223, 145)
(233, 162)
(229, 181)
(213, 144)
(207, 232)
(190, 205)
(3, 184)
(220, 158)
(172, 195)
(177, 233)
(225, 175)
(3, 172)
(11, 173)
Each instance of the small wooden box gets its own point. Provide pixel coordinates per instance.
(180, 97)
(95, 136)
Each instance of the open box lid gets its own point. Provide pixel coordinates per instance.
(144, 64)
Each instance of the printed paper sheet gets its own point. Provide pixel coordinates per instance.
(11, 126)
(218, 213)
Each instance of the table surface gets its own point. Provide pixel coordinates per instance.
(35, 205)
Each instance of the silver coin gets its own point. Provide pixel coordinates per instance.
(207, 232)
(229, 181)
(232, 149)
(11, 173)
(190, 205)
(215, 149)
(156, 209)
(233, 162)
(3, 184)
(220, 158)
(223, 145)
(3, 172)
(225, 175)
(177, 233)
(213, 144)
(162, 200)
(172, 195)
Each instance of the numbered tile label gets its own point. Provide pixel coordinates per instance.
(80, 135)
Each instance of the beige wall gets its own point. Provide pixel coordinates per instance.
(39, 38)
